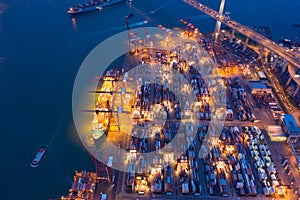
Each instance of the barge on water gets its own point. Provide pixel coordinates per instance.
(39, 157)
(92, 5)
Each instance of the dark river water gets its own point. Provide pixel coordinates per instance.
(41, 49)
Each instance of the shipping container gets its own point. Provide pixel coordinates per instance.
(239, 185)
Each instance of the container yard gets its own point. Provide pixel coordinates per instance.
(137, 110)
(83, 186)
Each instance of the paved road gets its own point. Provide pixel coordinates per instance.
(281, 51)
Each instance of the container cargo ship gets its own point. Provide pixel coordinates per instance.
(100, 124)
(39, 157)
(92, 6)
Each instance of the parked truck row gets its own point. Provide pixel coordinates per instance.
(261, 155)
(240, 170)
(242, 106)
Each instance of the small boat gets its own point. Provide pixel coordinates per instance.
(296, 25)
(39, 157)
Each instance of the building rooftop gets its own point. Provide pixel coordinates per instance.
(291, 124)
(258, 85)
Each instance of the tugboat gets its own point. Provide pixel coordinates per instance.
(39, 157)
(91, 5)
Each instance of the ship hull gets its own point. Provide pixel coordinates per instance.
(39, 157)
(98, 134)
(83, 11)
(95, 7)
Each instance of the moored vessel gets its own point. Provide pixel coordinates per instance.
(91, 5)
(100, 124)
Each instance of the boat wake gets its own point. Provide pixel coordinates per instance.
(199, 17)
(58, 130)
(133, 25)
(158, 9)
(141, 13)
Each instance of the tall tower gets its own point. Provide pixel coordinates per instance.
(218, 24)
